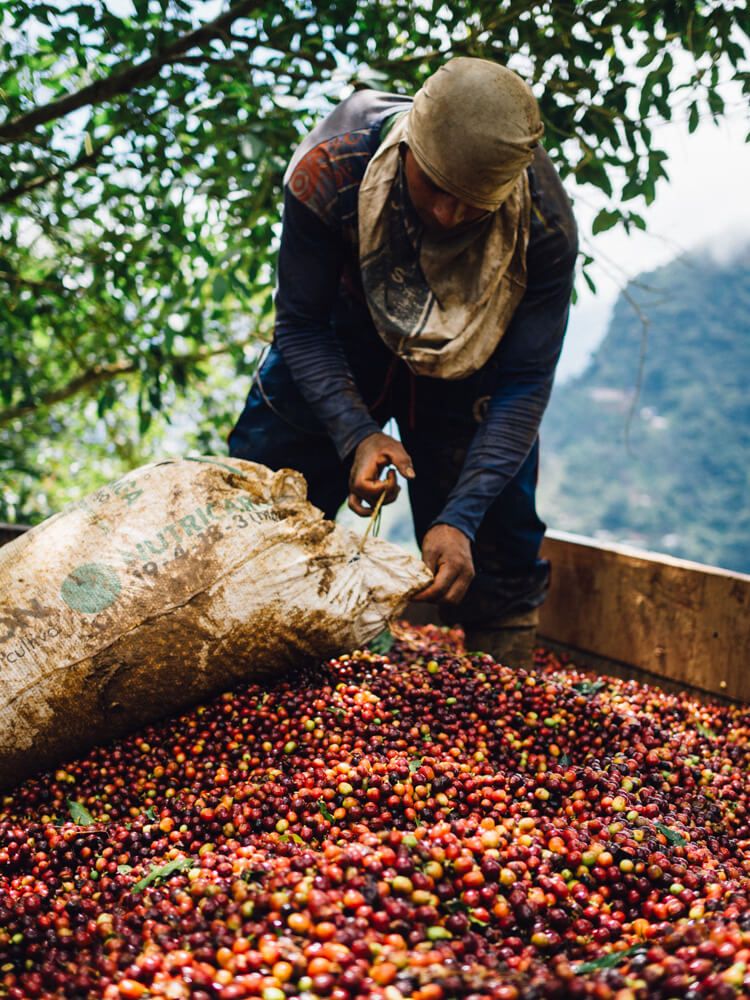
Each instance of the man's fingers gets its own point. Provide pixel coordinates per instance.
(395, 454)
(371, 492)
(365, 485)
(355, 504)
(444, 578)
(371, 489)
(457, 591)
(405, 467)
(389, 486)
(375, 453)
(432, 594)
(450, 584)
(402, 460)
(447, 552)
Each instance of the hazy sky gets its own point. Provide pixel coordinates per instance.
(705, 202)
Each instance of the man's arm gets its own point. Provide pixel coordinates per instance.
(527, 357)
(309, 268)
(308, 279)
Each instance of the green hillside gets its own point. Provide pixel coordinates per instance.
(674, 476)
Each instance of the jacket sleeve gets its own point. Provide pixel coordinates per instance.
(525, 365)
(309, 268)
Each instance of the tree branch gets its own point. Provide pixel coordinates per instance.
(10, 194)
(127, 79)
(87, 380)
(16, 279)
(106, 373)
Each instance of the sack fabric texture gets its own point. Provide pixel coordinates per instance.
(174, 583)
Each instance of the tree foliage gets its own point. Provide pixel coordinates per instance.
(142, 149)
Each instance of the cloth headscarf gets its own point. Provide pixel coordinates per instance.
(443, 302)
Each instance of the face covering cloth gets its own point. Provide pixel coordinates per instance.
(442, 301)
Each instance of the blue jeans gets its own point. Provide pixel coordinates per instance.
(436, 420)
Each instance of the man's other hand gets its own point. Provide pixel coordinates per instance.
(447, 552)
(372, 456)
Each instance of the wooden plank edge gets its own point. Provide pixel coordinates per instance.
(672, 618)
(645, 554)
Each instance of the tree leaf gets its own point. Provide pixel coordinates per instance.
(610, 961)
(382, 643)
(705, 731)
(294, 837)
(219, 288)
(672, 835)
(693, 117)
(79, 813)
(160, 872)
(605, 220)
(324, 811)
(589, 688)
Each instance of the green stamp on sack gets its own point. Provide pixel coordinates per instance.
(90, 588)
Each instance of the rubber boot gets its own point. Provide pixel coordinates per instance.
(510, 641)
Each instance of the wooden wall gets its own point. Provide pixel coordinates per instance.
(678, 620)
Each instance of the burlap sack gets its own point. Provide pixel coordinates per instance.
(171, 584)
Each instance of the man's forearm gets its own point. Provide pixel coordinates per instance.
(499, 448)
(321, 372)
(308, 280)
(526, 361)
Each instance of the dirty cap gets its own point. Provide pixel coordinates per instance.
(473, 128)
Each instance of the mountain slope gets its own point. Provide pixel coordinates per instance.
(673, 474)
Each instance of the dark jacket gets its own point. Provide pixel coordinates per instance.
(322, 320)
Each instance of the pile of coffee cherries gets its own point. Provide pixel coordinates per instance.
(419, 824)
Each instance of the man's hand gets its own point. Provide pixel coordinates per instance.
(447, 552)
(374, 454)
